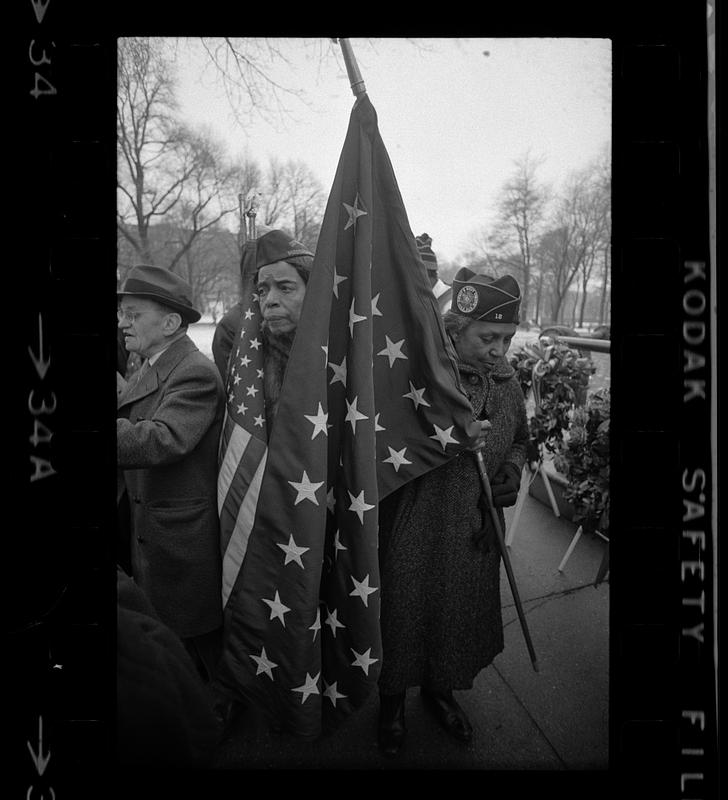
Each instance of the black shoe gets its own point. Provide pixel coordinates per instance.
(391, 729)
(449, 714)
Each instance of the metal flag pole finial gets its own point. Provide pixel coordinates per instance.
(352, 69)
(250, 218)
(241, 222)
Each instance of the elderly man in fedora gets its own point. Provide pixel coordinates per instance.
(168, 424)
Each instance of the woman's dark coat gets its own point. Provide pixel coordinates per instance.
(441, 610)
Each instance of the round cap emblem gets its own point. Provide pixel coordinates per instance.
(467, 299)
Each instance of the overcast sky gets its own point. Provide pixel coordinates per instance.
(454, 115)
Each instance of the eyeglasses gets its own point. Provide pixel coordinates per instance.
(128, 316)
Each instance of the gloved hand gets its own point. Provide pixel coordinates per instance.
(505, 485)
(484, 538)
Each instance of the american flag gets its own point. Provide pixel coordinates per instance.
(370, 400)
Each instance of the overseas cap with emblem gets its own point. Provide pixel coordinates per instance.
(167, 288)
(484, 298)
(424, 246)
(277, 245)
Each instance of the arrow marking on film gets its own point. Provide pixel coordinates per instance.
(41, 363)
(40, 761)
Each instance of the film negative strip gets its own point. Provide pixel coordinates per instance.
(664, 550)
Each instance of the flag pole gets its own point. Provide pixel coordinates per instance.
(506, 560)
(250, 214)
(352, 68)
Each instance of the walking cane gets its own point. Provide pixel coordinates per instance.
(504, 552)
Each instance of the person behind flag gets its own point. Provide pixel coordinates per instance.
(440, 563)
(277, 245)
(283, 269)
(224, 336)
(370, 400)
(429, 259)
(168, 425)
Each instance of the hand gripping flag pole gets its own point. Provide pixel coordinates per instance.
(506, 559)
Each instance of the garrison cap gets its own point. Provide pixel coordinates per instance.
(277, 245)
(424, 242)
(167, 288)
(484, 298)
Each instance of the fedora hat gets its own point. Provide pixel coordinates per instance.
(163, 286)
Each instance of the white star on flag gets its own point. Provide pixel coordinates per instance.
(316, 627)
(362, 589)
(353, 414)
(415, 395)
(339, 372)
(264, 665)
(393, 350)
(331, 692)
(260, 372)
(254, 343)
(354, 212)
(337, 545)
(277, 609)
(308, 688)
(330, 500)
(396, 458)
(353, 318)
(236, 379)
(333, 622)
(306, 489)
(337, 280)
(363, 660)
(358, 506)
(375, 311)
(259, 420)
(242, 408)
(245, 361)
(251, 390)
(249, 314)
(319, 422)
(293, 552)
(377, 426)
(443, 436)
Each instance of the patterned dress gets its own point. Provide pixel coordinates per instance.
(441, 609)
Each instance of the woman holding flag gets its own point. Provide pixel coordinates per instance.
(440, 562)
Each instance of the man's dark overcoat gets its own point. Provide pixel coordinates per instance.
(168, 428)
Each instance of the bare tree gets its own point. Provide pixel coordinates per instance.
(591, 210)
(577, 238)
(147, 134)
(259, 77)
(558, 266)
(293, 199)
(175, 185)
(521, 210)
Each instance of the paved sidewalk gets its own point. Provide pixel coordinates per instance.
(553, 720)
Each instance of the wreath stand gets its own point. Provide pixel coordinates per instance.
(526, 481)
(537, 373)
(528, 476)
